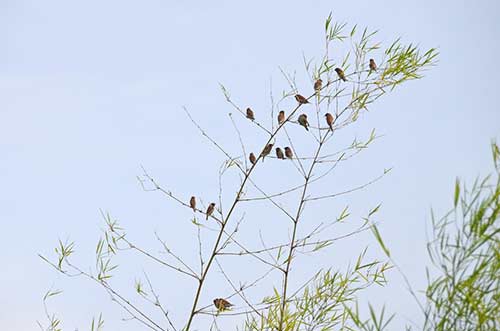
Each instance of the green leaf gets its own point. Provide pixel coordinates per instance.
(321, 245)
(51, 293)
(457, 192)
(344, 214)
(376, 233)
(353, 31)
(374, 210)
(328, 21)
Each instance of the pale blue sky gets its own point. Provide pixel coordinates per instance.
(91, 90)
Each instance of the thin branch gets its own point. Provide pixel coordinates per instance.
(357, 188)
(158, 303)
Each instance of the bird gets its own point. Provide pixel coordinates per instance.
(252, 158)
(372, 65)
(288, 152)
(192, 203)
(281, 116)
(210, 209)
(222, 304)
(250, 114)
(266, 151)
(303, 121)
(341, 74)
(279, 153)
(329, 120)
(318, 85)
(300, 99)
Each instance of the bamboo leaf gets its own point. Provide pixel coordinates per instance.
(376, 233)
(457, 192)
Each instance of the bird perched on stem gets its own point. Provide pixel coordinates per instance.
(250, 114)
(341, 74)
(210, 210)
(303, 121)
(372, 65)
(281, 117)
(222, 304)
(266, 151)
(252, 158)
(279, 153)
(329, 120)
(288, 152)
(300, 99)
(192, 203)
(318, 85)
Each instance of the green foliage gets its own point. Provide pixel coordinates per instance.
(465, 292)
(54, 323)
(405, 62)
(327, 302)
(97, 325)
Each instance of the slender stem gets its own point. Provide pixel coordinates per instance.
(294, 233)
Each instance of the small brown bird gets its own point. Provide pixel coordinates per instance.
(210, 210)
(252, 158)
(250, 114)
(303, 121)
(266, 151)
(329, 120)
(300, 99)
(192, 203)
(341, 74)
(222, 304)
(288, 152)
(281, 116)
(373, 65)
(279, 153)
(318, 85)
